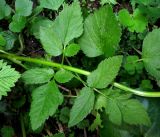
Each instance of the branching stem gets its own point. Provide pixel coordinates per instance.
(79, 71)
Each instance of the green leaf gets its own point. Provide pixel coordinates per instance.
(114, 112)
(50, 41)
(7, 131)
(120, 109)
(10, 39)
(125, 18)
(146, 85)
(151, 11)
(108, 1)
(71, 50)
(37, 23)
(100, 102)
(101, 33)
(51, 4)
(57, 135)
(5, 9)
(135, 22)
(150, 53)
(96, 123)
(132, 65)
(37, 75)
(68, 25)
(82, 106)
(140, 21)
(63, 76)
(83, 124)
(2, 41)
(18, 23)
(154, 112)
(105, 73)
(8, 77)
(23, 7)
(145, 2)
(45, 101)
(64, 115)
(134, 113)
(110, 130)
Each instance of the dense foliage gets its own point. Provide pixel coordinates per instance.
(79, 68)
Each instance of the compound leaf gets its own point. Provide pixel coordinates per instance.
(37, 75)
(82, 106)
(45, 101)
(101, 33)
(105, 73)
(8, 77)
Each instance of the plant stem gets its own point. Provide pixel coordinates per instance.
(69, 96)
(139, 60)
(101, 93)
(76, 74)
(136, 92)
(22, 126)
(21, 44)
(79, 71)
(46, 63)
(139, 52)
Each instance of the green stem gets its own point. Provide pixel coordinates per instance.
(139, 60)
(70, 96)
(21, 44)
(76, 70)
(139, 52)
(76, 74)
(136, 92)
(46, 63)
(37, 11)
(22, 126)
(63, 56)
(101, 93)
